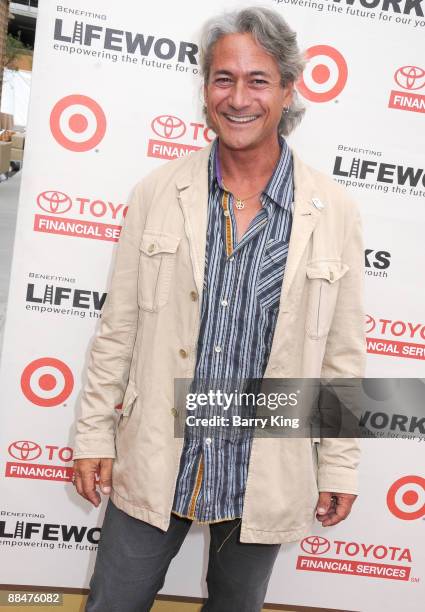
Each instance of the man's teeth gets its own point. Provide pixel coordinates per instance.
(242, 119)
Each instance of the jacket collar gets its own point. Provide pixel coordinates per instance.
(192, 187)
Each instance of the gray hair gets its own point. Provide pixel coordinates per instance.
(272, 33)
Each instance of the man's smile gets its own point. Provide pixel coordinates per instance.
(240, 118)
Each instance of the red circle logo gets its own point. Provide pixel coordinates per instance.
(47, 382)
(315, 545)
(410, 77)
(25, 450)
(325, 75)
(370, 324)
(406, 498)
(54, 202)
(78, 123)
(168, 126)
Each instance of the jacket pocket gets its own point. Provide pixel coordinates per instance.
(156, 265)
(323, 285)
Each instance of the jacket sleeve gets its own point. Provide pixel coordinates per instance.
(345, 356)
(112, 349)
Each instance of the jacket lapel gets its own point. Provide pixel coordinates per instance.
(192, 194)
(305, 217)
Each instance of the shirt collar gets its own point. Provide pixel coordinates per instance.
(277, 187)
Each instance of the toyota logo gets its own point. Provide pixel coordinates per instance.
(24, 450)
(410, 77)
(370, 324)
(315, 545)
(54, 202)
(168, 126)
(406, 498)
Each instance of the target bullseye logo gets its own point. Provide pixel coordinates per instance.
(406, 498)
(325, 75)
(78, 123)
(47, 382)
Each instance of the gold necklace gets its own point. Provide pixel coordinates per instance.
(240, 202)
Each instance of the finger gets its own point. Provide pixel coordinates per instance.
(78, 484)
(89, 488)
(341, 511)
(105, 477)
(324, 503)
(330, 512)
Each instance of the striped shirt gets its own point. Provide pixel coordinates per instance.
(240, 302)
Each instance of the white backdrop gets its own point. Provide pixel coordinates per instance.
(102, 115)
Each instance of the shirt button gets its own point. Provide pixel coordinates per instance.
(174, 412)
(183, 353)
(224, 302)
(231, 258)
(217, 349)
(151, 248)
(193, 296)
(331, 275)
(226, 213)
(208, 441)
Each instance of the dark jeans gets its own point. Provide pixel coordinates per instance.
(133, 558)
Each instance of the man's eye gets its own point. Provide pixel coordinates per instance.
(221, 80)
(259, 82)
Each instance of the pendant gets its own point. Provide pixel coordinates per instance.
(239, 204)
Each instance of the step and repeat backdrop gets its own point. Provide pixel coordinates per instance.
(115, 93)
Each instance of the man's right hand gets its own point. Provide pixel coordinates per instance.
(85, 472)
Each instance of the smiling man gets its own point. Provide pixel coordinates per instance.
(237, 262)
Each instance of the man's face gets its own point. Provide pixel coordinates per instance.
(244, 95)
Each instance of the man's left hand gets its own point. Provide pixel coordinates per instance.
(332, 508)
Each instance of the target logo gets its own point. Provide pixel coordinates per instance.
(168, 126)
(406, 498)
(47, 382)
(315, 545)
(25, 450)
(325, 75)
(410, 77)
(54, 202)
(78, 123)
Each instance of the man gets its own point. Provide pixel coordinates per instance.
(239, 261)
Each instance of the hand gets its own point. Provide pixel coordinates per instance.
(85, 471)
(332, 508)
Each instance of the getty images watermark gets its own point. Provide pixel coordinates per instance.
(301, 408)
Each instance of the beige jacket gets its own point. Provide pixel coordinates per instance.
(148, 337)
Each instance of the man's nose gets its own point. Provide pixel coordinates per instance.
(240, 96)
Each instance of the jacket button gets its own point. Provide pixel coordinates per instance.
(151, 248)
(193, 296)
(183, 353)
(174, 412)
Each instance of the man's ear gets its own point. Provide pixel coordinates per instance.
(289, 94)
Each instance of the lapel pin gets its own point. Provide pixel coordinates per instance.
(317, 203)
